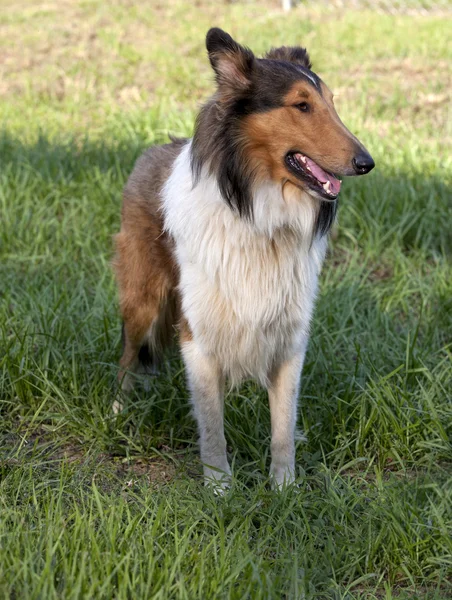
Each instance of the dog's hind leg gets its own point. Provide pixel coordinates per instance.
(141, 351)
(128, 362)
(144, 343)
(137, 358)
(146, 281)
(146, 268)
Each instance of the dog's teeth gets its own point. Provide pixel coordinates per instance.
(326, 187)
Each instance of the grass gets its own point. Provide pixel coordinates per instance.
(92, 507)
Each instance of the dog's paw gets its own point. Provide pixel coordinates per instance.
(117, 407)
(282, 478)
(218, 487)
(218, 480)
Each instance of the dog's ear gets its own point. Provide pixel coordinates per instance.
(293, 54)
(232, 63)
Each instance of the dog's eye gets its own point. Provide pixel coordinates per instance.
(303, 106)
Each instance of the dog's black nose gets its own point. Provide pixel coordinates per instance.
(363, 163)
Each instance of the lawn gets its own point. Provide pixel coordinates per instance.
(97, 507)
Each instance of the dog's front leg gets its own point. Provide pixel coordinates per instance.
(206, 384)
(283, 395)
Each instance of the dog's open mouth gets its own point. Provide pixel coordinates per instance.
(325, 184)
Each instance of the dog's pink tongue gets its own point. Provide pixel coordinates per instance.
(323, 176)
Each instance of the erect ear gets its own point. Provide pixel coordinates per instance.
(231, 62)
(293, 54)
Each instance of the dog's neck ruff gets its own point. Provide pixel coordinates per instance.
(275, 207)
(247, 287)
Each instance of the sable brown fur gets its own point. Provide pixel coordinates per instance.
(243, 137)
(224, 235)
(146, 271)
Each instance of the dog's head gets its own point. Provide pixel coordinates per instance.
(273, 118)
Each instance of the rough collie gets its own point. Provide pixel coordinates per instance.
(224, 235)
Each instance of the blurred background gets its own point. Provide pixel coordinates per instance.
(81, 66)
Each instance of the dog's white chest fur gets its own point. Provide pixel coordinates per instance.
(247, 289)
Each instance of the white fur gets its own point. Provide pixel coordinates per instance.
(306, 74)
(206, 386)
(247, 288)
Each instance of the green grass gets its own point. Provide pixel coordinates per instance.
(92, 507)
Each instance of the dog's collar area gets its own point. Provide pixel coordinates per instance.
(324, 183)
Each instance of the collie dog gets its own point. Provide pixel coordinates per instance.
(224, 235)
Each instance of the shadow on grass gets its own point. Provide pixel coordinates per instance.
(413, 207)
(375, 380)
